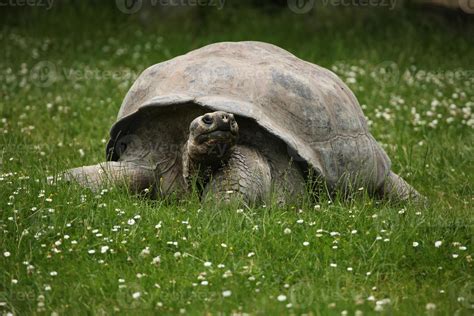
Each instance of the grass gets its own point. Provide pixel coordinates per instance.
(66, 250)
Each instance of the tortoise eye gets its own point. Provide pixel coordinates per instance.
(207, 119)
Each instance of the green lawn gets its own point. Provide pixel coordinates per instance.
(64, 249)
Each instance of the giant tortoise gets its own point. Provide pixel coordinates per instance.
(246, 120)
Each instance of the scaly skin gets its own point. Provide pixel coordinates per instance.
(250, 171)
(398, 190)
(135, 176)
(246, 176)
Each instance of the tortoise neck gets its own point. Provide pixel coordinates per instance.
(201, 165)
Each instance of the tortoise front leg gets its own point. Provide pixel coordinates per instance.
(135, 176)
(245, 176)
(398, 190)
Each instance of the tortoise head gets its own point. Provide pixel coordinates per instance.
(212, 136)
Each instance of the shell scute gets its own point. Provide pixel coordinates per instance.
(306, 106)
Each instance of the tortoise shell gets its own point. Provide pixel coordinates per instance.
(306, 106)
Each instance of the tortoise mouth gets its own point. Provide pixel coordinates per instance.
(217, 137)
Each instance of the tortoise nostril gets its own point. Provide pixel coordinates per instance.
(225, 117)
(207, 119)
